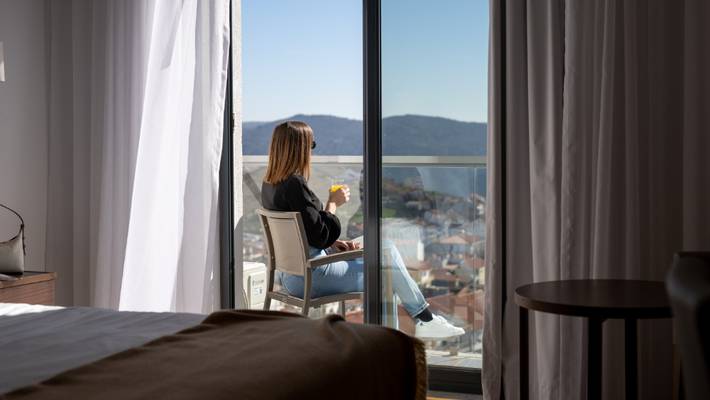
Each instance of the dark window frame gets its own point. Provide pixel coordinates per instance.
(226, 191)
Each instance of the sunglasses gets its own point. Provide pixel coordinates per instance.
(313, 145)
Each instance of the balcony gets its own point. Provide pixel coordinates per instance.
(433, 210)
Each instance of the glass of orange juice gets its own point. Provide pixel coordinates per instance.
(335, 185)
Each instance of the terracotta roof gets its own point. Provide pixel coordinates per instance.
(456, 239)
(419, 265)
(474, 262)
(471, 238)
(466, 306)
(443, 275)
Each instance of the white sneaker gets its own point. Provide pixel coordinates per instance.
(437, 328)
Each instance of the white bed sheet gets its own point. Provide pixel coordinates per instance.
(38, 342)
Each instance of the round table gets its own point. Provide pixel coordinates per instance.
(597, 300)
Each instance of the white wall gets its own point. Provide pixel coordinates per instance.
(23, 124)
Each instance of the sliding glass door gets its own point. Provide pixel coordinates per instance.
(433, 168)
(301, 60)
(412, 150)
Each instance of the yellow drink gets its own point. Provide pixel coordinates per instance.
(334, 188)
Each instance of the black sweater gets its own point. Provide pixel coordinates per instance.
(293, 194)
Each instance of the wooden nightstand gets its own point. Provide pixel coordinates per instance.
(30, 287)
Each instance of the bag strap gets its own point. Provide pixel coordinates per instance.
(22, 225)
(22, 221)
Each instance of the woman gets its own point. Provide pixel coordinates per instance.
(285, 188)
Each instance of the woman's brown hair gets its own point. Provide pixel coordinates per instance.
(289, 152)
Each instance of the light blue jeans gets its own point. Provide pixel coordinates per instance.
(348, 276)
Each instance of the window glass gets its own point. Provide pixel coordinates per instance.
(434, 107)
(301, 60)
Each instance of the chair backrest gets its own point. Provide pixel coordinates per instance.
(286, 241)
(688, 286)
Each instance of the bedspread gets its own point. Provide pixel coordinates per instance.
(253, 355)
(38, 342)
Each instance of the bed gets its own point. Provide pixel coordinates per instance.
(52, 352)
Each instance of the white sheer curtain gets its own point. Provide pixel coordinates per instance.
(142, 145)
(605, 170)
(172, 252)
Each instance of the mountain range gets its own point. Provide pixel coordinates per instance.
(412, 135)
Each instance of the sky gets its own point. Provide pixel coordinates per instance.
(305, 57)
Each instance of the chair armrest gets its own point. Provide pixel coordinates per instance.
(335, 257)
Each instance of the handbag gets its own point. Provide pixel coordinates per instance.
(12, 252)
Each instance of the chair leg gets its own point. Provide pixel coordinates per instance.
(342, 308)
(306, 293)
(269, 286)
(391, 318)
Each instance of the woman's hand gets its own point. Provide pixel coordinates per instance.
(345, 245)
(338, 198)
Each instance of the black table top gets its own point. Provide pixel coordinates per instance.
(597, 298)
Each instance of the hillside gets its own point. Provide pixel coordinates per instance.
(402, 135)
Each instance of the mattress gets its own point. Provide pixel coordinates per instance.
(38, 342)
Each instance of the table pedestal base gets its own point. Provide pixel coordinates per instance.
(594, 356)
(631, 357)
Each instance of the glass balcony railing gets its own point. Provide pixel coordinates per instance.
(433, 211)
